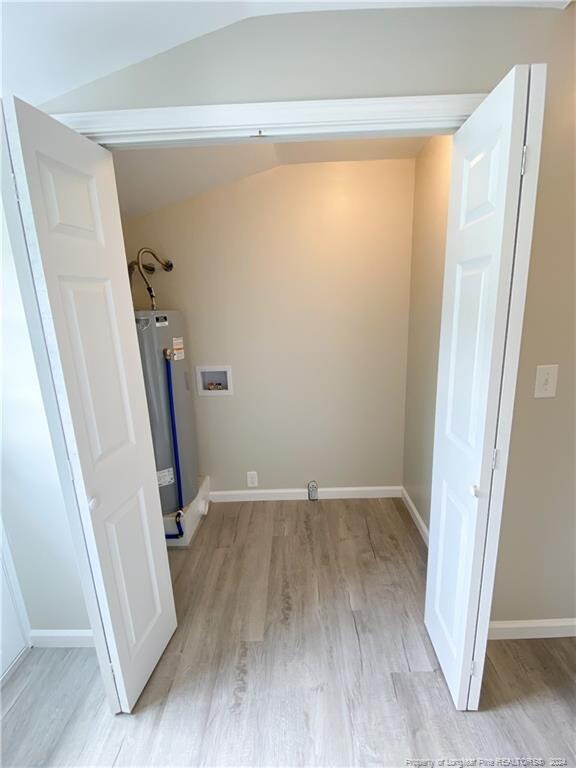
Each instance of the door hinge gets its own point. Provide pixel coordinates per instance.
(473, 669)
(494, 458)
(523, 165)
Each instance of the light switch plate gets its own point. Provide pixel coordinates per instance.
(546, 381)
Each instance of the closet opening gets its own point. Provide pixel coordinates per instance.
(312, 273)
(328, 328)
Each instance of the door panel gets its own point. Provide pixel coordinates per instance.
(128, 531)
(480, 184)
(484, 204)
(453, 533)
(70, 200)
(105, 403)
(70, 211)
(465, 352)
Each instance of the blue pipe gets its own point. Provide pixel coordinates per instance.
(168, 365)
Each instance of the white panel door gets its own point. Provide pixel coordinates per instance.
(480, 253)
(71, 218)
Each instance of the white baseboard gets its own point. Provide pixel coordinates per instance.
(362, 492)
(299, 494)
(191, 516)
(15, 664)
(505, 630)
(61, 638)
(415, 515)
(532, 628)
(254, 494)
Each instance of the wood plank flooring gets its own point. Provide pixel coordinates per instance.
(300, 643)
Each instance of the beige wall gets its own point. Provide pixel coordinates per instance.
(417, 51)
(336, 54)
(431, 191)
(298, 277)
(553, 589)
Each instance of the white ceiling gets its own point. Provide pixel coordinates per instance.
(149, 179)
(51, 48)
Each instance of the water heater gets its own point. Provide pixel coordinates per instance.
(169, 393)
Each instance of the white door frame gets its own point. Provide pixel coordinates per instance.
(8, 570)
(289, 121)
(48, 388)
(275, 121)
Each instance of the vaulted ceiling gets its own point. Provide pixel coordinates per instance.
(51, 48)
(149, 179)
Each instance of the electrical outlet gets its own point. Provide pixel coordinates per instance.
(313, 490)
(546, 381)
(252, 479)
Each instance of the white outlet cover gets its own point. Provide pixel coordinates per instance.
(252, 479)
(546, 381)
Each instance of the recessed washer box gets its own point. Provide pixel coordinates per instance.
(214, 379)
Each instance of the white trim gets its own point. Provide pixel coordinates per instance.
(532, 628)
(511, 356)
(392, 116)
(361, 492)
(13, 585)
(62, 638)
(272, 494)
(415, 515)
(299, 494)
(15, 664)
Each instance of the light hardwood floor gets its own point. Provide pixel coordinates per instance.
(300, 642)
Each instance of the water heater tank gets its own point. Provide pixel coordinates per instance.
(157, 331)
